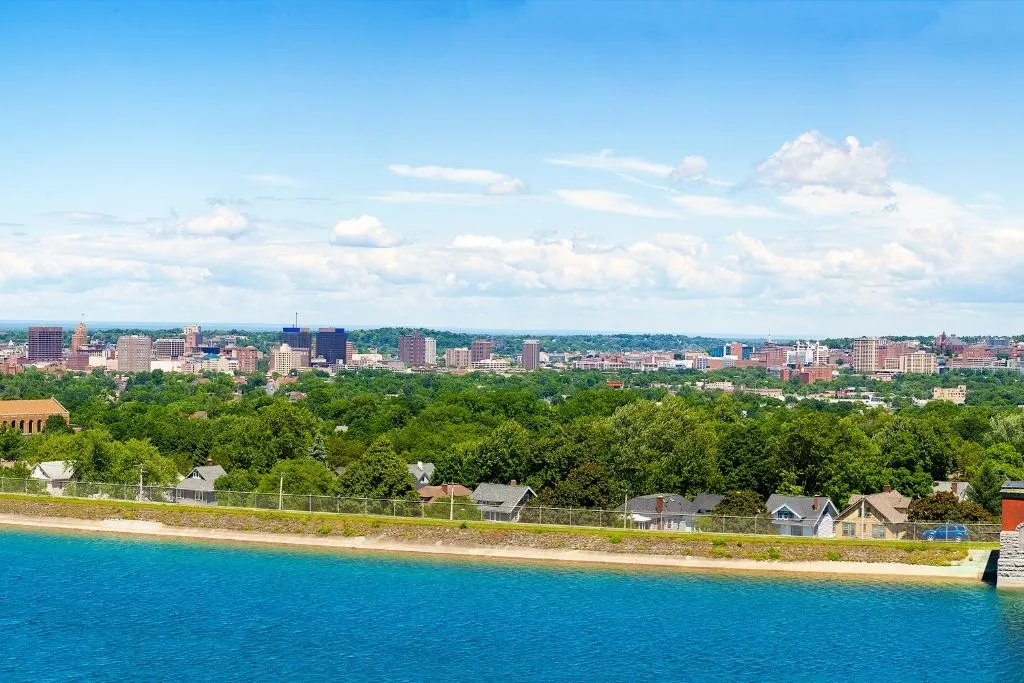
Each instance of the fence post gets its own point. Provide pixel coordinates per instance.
(570, 516)
(394, 508)
(540, 516)
(366, 506)
(311, 502)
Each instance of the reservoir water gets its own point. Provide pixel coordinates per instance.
(96, 609)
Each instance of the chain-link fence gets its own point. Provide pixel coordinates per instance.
(463, 509)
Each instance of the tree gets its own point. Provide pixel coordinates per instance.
(985, 487)
(301, 476)
(587, 486)
(379, 473)
(946, 507)
(741, 504)
(55, 424)
(318, 450)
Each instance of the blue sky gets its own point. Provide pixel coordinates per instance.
(801, 168)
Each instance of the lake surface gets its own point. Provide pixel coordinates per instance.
(90, 608)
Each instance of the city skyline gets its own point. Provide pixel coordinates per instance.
(794, 170)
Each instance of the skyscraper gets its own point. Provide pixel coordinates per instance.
(45, 344)
(297, 338)
(531, 354)
(412, 349)
(134, 353)
(332, 345)
(429, 351)
(193, 338)
(457, 358)
(865, 354)
(80, 338)
(480, 349)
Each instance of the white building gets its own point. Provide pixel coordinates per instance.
(284, 359)
(429, 351)
(865, 354)
(919, 362)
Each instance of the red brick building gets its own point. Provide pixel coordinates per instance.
(812, 374)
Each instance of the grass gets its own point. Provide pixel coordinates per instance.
(618, 537)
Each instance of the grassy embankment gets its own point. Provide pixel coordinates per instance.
(432, 531)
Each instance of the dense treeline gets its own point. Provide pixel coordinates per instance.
(575, 441)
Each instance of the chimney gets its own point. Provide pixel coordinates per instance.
(953, 486)
(886, 489)
(209, 461)
(816, 504)
(419, 463)
(659, 504)
(444, 489)
(513, 483)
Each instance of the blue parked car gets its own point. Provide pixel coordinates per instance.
(947, 532)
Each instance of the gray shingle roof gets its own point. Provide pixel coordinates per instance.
(419, 469)
(801, 507)
(675, 504)
(500, 497)
(56, 470)
(201, 478)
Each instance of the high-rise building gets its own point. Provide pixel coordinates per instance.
(284, 359)
(169, 347)
(45, 344)
(134, 353)
(193, 338)
(332, 345)
(480, 349)
(531, 354)
(350, 350)
(919, 362)
(297, 338)
(248, 357)
(429, 351)
(457, 358)
(80, 338)
(412, 349)
(865, 354)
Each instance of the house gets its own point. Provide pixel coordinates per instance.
(668, 511)
(502, 502)
(56, 474)
(960, 489)
(197, 486)
(803, 515)
(421, 472)
(877, 515)
(430, 494)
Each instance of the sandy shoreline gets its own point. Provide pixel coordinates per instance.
(971, 570)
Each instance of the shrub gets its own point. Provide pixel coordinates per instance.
(324, 530)
(463, 526)
(615, 538)
(718, 542)
(832, 556)
(774, 554)
(349, 531)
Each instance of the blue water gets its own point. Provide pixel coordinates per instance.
(93, 609)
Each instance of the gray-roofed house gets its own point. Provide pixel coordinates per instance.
(501, 502)
(668, 511)
(56, 474)
(876, 515)
(803, 515)
(960, 489)
(421, 472)
(197, 486)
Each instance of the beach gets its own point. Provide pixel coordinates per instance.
(971, 569)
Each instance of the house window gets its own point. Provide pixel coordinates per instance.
(877, 531)
(784, 514)
(849, 529)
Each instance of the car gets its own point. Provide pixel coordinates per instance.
(947, 532)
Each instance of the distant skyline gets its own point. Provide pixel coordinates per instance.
(798, 169)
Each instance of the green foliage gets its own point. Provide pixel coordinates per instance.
(985, 487)
(741, 504)
(945, 507)
(379, 473)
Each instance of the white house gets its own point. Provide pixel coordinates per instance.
(803, 515)
(56, 474)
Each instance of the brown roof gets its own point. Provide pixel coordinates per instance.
(431, 493)
(42, 406)
(891, 505)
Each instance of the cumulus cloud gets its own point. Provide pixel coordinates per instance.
(494, 183)
(223, 221)
(720, 207)
(364, 231)
(610, 202)
(272, 179)
(814, 160)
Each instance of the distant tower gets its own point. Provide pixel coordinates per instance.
(80, 338)
(193, 338)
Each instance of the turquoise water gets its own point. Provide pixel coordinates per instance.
(87, 608)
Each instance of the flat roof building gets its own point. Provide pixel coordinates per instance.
(134, 353)
(45, 344)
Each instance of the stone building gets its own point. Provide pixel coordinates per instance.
(30, 416)
(1010, 572)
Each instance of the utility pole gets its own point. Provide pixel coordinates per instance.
(280, 494)
(625, 509)
(451, 502)
(142, 468)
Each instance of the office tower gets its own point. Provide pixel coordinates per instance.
(297, 338)
(45, 344)
(247, 357)
(456, 358)
(480, 349)
(429, 351)
(531, 354)
(865, 354)
(80, 338)
(350, 350)
(332, 345)
(412, 349)
(134, 353)
(169, 347)
(193, 339)
(284, 359)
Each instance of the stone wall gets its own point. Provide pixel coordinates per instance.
(1011, 559)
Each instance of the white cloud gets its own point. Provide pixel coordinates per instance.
(720, 207)
(453, 198)
(222, 222)
(364, 231)
(819, 200)
(272, 179)
(812, 159)
(609, 202)
(495, 183)
(606, 160)
(692, 167)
